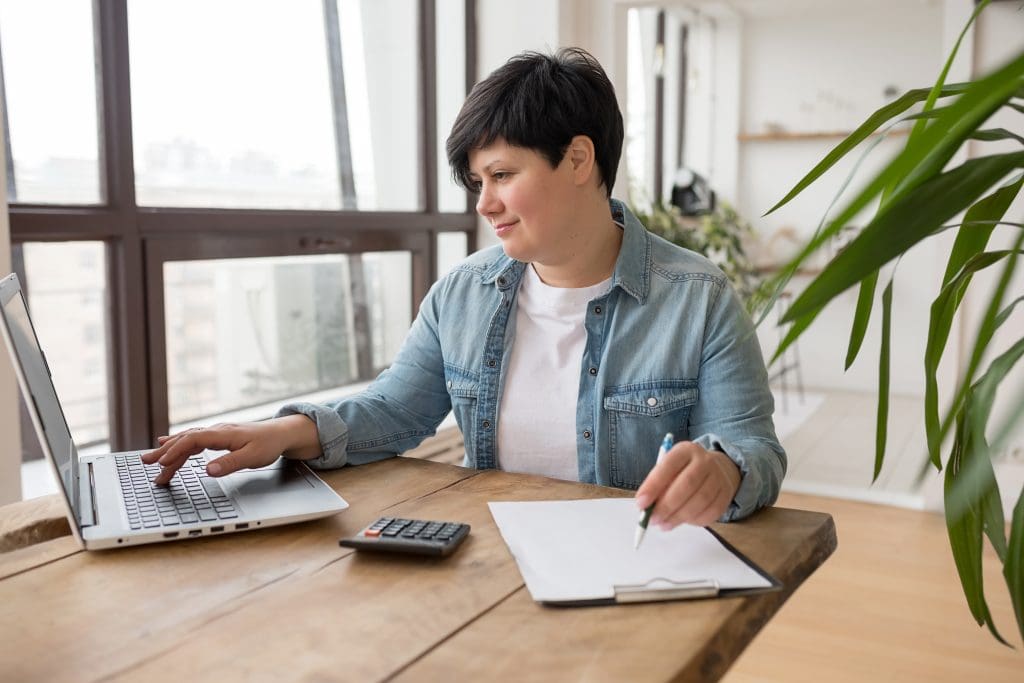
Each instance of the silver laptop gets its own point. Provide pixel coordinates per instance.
(111, 501)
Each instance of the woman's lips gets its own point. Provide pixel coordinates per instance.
(502, 229)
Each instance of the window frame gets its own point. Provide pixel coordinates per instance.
(139, 240)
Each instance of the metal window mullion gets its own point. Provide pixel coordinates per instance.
(346, 179)
(129, 381)
(659, 108)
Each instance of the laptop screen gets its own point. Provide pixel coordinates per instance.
(36, 375)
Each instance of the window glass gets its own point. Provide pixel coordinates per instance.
(66, 285)
(640, 68)
(50, 99)
(245, 332)
(245, 117)
(451, 91)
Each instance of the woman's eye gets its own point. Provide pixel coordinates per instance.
(500, 175)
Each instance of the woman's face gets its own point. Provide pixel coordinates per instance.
(530, 205)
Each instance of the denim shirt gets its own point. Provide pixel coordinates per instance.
(669, 348)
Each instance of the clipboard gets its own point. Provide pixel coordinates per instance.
(580, 553)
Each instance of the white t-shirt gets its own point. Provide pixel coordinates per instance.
(537, 412)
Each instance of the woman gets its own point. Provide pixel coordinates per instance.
(568, 351)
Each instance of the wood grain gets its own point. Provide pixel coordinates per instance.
(32, 521)
(289, 604)
(613, 643)
(107, 612)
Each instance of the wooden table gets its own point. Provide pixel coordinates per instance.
(288, 603)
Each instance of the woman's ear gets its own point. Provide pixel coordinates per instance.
(581, 156)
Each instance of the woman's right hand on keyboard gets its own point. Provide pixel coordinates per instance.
(249, 445)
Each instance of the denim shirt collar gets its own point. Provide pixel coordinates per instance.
(632, 267)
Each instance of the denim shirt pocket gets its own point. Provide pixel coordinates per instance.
(462, 387)
(639, 415)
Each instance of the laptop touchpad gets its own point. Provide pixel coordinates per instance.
(273, 479)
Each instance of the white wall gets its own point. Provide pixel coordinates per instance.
(10, 435)
(826, 71)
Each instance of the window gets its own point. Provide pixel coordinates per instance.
(54, 147)
(247, 332)
(66, 292)
(210, 158)
(270, 107)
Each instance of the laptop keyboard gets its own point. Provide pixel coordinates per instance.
(192, 495)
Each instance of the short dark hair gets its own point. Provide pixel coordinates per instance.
(541, 102)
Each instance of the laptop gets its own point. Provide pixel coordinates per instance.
(110, 500)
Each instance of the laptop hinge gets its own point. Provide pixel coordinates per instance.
(87, 514)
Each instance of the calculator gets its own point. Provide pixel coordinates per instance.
(414, 536)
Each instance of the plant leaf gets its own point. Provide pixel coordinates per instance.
(934, 94)
(965, 531)
(986, 330)
(942, 312)
(873, 123)
(926, 155)
(794, 333)
(861, 317)
(1013, 567)
(993, 134)
(970, 240)
(882, 421)
(981, 488)
(903, 224)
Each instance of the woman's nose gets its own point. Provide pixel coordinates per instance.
(487, 204)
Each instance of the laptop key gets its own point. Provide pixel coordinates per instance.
(212, 486)
(207, 515)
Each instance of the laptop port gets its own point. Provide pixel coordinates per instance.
(170, 534)
(243, 525)
(216, 529)
(196, 532)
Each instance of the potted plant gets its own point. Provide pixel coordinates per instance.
(918, 198)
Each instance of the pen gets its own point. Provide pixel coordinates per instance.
(645, 517)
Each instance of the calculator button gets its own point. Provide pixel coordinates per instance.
(371, 532)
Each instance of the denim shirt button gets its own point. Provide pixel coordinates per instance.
(491, 363)
(586, 434)
(652, 401)
(593, 371)
(597, 310)
(450, 384)
(501, 282)
(487, 424)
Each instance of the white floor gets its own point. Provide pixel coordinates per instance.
(830, 440)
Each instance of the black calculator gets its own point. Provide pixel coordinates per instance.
(414, 536)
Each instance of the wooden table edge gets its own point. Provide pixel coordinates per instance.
(721, 651)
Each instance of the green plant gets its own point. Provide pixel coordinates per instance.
(718, 235)
(917, 195)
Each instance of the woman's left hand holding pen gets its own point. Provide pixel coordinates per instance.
(689, 485)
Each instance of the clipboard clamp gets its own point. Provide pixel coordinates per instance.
(660, 588)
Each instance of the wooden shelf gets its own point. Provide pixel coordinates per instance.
(816, 135)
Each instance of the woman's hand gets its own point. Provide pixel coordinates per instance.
(691, 486)
(249, 445)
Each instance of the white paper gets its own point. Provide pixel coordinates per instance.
(572, 550)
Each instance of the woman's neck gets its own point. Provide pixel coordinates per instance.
(593, 256)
